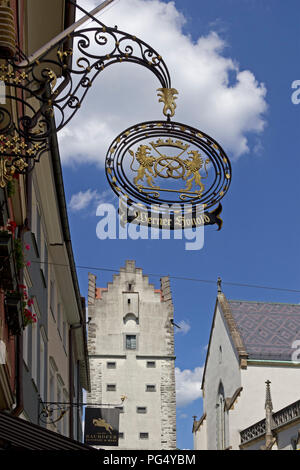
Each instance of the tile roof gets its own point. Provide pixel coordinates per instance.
(268, 330)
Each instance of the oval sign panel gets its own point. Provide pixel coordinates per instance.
(169, 167)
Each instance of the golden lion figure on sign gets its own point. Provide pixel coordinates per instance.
(146, 163)
(100, 422)
(190, 168)
(193, 166)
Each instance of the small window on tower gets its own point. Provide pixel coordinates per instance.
(111, 365)
(151, 364)
(144, 435)
(130, 341)
(111, 387)
(128, 301)
(129, 287)
(141, 409)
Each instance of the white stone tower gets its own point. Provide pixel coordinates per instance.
(131, 352)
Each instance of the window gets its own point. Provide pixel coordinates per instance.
(38, 230)
(65, 418)
(220, 355)
(52, 298)
(141, 409)
(59, 399)
(221, 440)
(65, 335)
(130, 341)
(144, 435)
(111, 387)
(44, 259)
(42, 367)
(150, 388)
(121, 435)
(59, 319)
(51, 385)
(151, 364)
(34, 350)
(25, 345)
(111, 365)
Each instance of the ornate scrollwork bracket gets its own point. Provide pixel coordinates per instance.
(53, 412)
(53, 87)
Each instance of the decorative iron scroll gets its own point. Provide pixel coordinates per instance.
(34, 96)
(168, 164)
(37, 88)
(52, 412)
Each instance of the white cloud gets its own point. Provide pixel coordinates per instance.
(84, 199)
(188, 385)
(125, 94)
(184, 327)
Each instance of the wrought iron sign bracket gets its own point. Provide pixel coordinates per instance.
(56, 83)
(52, 412)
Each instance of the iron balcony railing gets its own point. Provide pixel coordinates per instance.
(280, 418)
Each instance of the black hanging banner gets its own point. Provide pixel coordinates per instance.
(140, 215)
(101, 426)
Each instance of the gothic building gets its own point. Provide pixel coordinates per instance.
(131, 353)
(251, 344)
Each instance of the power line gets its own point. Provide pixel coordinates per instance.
(179, 278)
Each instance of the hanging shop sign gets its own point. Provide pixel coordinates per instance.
(155, 163)
(168, 174)
(101, 426)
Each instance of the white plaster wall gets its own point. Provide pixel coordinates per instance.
(285, 386)
(200, 437)
(250, 406)
(227, 371)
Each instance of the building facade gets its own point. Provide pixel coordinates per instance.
(251, 343)
(131, 353)
(43, 356)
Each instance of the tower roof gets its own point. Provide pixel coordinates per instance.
(262, 331)
(268, 330)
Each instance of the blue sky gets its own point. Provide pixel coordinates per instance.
(237, 88)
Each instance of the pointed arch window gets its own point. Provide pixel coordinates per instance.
(220, 425)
